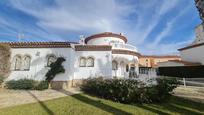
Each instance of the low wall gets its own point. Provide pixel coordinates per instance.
(66, 84)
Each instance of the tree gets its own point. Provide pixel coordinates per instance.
(55, 68)
(5, 54)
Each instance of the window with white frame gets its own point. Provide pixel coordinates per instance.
(82, 62)
(26, 62)
(90, 62)
(51, 59)
(17, 62)
(114, 65)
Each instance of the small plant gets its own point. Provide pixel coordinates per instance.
(42, 85)
(55, 68)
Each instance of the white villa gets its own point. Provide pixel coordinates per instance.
(105, 54)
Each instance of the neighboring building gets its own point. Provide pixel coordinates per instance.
(200, 6)
(105, 54)
(173, 63)
(152, 61)
(192, 54)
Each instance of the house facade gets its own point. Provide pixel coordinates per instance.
(106, 54)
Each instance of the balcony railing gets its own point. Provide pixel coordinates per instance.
(123, 46)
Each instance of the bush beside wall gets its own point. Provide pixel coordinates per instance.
(27, 84)
(128, 90)
(1, 80)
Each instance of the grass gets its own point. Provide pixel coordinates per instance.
(87, 105)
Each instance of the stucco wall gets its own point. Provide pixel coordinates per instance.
(102, 65)
(38, 65)
(195, 54)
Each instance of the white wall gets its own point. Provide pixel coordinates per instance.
(102, 65)
(38, 67)
(195, 54)
(104, 41)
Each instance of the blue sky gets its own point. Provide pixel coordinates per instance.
(153, 26)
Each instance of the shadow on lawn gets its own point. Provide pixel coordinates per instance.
(176, 105)
(96, 103)
(42, 104)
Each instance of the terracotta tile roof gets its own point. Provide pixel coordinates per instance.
(191, 46)
(93, 47)
(39, 44)
(162, 56)
(186, 63)
(106, 34)
(117, 51)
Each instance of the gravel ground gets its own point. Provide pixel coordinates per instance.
(17, 97)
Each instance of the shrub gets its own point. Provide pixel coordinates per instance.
(20, 84)
(27, 84)
(162, 89)
(42, 85)
(55, 68)
(129, 90)
(1, 80)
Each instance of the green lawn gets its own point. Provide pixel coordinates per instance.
(86, 105)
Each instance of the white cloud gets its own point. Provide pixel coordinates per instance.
(167, 48)
(91, 16)
(168, 29)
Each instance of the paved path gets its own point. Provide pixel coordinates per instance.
(190, 92)
(17, 97)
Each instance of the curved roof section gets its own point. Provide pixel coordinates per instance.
(106, 34)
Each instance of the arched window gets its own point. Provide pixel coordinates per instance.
(82, 62)
(90, 62)
(114, 65)
(50, 59)
(26, 62)
(17, 62)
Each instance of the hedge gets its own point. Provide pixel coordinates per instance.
(129, 90)
(182, 71)
(27, 84)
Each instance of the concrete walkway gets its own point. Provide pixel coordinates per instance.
(17, 97)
